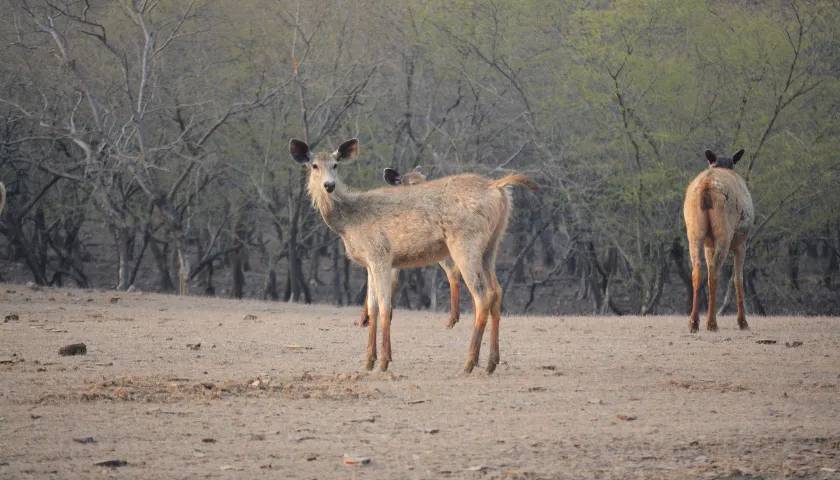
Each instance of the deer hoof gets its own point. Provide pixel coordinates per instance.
(742, 324)
(383, 365)
(371, 361)
(712, 326)
(492, 362)
(468, 367)
(693, 327)
(452, 322)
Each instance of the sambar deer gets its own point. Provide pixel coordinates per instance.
(462, 216)
(453, 275)
(718, 212)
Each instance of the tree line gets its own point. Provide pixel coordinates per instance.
(144, 143)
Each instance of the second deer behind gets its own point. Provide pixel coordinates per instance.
(453, 275)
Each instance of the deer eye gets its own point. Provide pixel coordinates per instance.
(335, 165)
(314, 167)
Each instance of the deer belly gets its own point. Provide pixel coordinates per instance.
(429, 254)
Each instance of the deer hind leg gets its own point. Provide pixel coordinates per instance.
(740, 251)
(482, 286)
(372, 311)
(695, 248)
(382, 282)
(453, 275)
(478, 283)
(495, 318)
(715, 256)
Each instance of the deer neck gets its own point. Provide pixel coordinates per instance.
(335, 208)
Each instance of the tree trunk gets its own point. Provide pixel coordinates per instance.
(655, 290)
(678, 257)
(238, 259)
(139, 259)
(238, 274)
(296, 284)
(434, 288)
(348, 293)
(793, 264)
(183, 272)
(162, 260)
(123, 239)
(336, 258)
(752, 294)
(270, 291)
(209, 288)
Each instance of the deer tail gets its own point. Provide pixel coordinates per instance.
(515, 179)
(705, 195)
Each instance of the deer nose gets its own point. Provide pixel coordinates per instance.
(329, 186)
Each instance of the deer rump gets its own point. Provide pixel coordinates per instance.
(725, 204)
(418, 225)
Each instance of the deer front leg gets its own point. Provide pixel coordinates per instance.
(453, 275)
(740, 251)
(371, 309)
(495, 317)
(382, 282)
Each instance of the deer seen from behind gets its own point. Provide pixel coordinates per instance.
(462, 216)
(718, 213)
(453, 275)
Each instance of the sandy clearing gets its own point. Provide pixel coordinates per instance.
(283, 395)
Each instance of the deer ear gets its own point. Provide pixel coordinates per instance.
(711, 157)
(737, 156)
(392, 177)
(299, 151)
(347, 151)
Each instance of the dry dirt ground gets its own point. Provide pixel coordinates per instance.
(278, 391)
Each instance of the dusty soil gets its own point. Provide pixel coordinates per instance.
(277, 390)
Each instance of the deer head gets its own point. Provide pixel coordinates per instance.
(393, 177)
(323, 167)
(723, 162)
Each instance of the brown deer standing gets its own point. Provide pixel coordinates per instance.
(453, 275)
(462, 217)
(718, 214)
